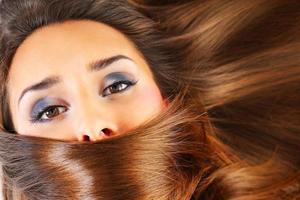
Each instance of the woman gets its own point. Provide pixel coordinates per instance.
(183, 100)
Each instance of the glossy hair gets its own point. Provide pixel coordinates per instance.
(231, 69)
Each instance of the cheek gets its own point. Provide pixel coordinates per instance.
(147, 103)
(149, 99)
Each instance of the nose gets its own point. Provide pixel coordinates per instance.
(94, 126)
(90, 136)
(94, 119)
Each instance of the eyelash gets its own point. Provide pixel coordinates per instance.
(128, 83)
(38, 117)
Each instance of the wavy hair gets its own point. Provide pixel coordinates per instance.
(231, 70)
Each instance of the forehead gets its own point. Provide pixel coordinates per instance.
(71, 45)
(58, 43)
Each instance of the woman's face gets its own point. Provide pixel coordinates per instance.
(80, 80)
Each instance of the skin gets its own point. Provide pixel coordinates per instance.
(86, 105)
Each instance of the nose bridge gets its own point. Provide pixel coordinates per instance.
(94, 122)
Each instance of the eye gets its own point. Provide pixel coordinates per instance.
(48, 113)
(117, 87)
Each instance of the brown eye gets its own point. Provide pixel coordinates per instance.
(52, 112)
(117, 87)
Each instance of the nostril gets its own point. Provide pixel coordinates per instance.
(86, 138)
(107, 132)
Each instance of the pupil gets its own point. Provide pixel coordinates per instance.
(116, 88)
(51, 112)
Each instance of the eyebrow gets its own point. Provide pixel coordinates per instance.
(48, 82)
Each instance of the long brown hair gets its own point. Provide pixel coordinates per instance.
(231, 70)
